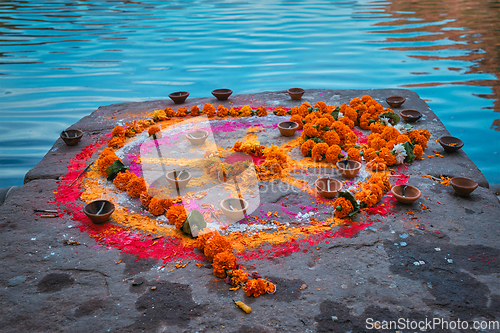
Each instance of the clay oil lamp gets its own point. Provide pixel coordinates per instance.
(178, 179)
(328, 187)
(99, 211)
(450, 143)
(295, 93)
(197, 137)
(288, 128)
(463, 186)
(72, 136)
(222, 94)
(410, 115)
(406, 194)
(348, 168)
(234, 208)
(395, 101)
(179, 97)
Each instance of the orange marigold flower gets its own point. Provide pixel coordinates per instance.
(195, 110)
(122, 179)
(204, 236)
(136, 186)
(377, 127)
(176, 215)
(106, 161)
(304, 109)
(169, 112)
(402, 138)
(233, 112)
(378, 144)
(377, 164)
(294, 110)
(181, 112)
(223, 261)
(262, 111)
(342, 207)
(348, 122)
(238, 276)
(116, 142)
(153, 130)
(209, 110)
(365, 120)
(118, 131)
(323, 108)
(256, 287)
(383, 181)
(145, 199)
(341, 129)
(322, 123)
(390, 144)
(311, 118)
(280, 111)
(349, 112)
(350, 138)
(390, 133)
(222, 111)
(319, 151)
(310, 131)
(298, 119)
(107, 151)
(367, 197)
(331, 138)
(306, 147)
(155, 206)
(353, 154)
(216, 244)
(369, 154)
(418, 151)
(332, 154)
(387, 156)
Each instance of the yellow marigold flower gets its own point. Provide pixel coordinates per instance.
(306, 147)
(159, 115)
(223, 261)
(177, 215)
(246, 111)
(318, 152)
(342, 207)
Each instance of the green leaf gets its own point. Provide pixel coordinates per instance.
(337, 109)
(335, 114)
(306, 138)
(309, 109)
(338, 208)
(410, 156)
(318, 140)
(114, 169)
(393, 117)
(194, 223)
(315, 126)
(326, 128)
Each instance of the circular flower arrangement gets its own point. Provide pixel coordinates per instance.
(328, 135)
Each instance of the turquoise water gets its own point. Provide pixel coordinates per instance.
(60, 60)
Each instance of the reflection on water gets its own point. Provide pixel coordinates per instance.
(60, 60)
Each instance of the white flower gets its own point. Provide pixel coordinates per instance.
(400, 152)
(340, 116)
(400, 128)
(385, 121)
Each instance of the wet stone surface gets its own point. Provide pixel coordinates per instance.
(405, 263)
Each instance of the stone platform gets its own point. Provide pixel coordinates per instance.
(442, 262)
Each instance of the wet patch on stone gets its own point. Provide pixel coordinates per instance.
(287, 290)
(447, 272)
(138, 285)
(135, 265)
(54, 282)
(90, 307)
(170, 304)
